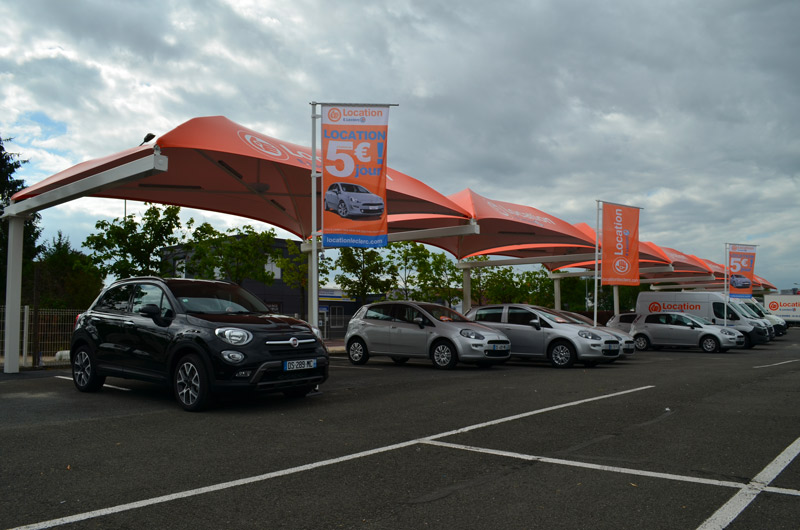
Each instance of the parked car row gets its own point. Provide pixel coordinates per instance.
(486, 335)
(698, 319)
(204, 337)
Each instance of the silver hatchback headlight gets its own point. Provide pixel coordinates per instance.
(586, 334)
(727, 332)
(472, 334)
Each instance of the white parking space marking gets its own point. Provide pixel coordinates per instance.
(777, 364)
(259, 478)
(731, 509)
(105, 386)
(586, 465)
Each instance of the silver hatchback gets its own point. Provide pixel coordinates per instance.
(656, 330)
(538, 332)
(407, 330)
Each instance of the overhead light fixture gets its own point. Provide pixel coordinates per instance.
(147, 138)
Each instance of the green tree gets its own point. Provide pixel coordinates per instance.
(477, 281)
(9, 163)
(364, 271)
(440, 280)
(66, 278)
(126, 247)
(294, 269)
(237, 254)
(536, 287)
(502, 286)
(406, 257)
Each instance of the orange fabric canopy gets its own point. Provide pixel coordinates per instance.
(218, 165)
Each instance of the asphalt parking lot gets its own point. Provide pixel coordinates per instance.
(669, 439)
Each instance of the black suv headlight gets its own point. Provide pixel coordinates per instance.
(234, 336)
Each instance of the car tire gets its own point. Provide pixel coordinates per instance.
(190, 383)
(443, 355)
(642, 342)
(84, 371)
(400, 360)
(561, 354)
(341, 209)
(748, 342)
(357, 352)
(709, 344)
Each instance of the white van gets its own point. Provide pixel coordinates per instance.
(749, 311)
(709, 305)
(777, 322)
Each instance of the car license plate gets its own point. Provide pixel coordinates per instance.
(501, 346)
(299, 365)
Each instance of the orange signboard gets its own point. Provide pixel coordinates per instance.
(741, 264)
(354, 175)
(620, 245)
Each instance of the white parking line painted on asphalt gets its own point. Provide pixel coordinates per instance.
(777, 364)
(586, 465)
(748, 492)
(106, 386)
(259, 478)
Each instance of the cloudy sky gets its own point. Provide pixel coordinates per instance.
(690, 110)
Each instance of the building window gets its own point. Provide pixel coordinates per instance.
(271, 266)
(337, 316)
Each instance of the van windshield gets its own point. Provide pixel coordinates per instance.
(747, 311)
(755, 309)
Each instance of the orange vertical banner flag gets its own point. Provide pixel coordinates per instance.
(620, 245)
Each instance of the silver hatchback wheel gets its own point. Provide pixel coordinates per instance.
(444, 355)
(357, 352)
(341, 209)
(562, 355)
(709, 344)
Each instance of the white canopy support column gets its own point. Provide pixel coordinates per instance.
(557, 292)
(16, 212)
(466, 303)
(16, 226)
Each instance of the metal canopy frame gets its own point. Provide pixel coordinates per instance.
(16, 213)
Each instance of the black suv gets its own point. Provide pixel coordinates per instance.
(200, 336)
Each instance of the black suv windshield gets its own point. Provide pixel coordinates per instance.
(218, 297)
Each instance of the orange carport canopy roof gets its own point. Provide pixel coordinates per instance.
(218, 165)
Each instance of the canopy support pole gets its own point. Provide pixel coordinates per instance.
(557, 292)
(313, 274)
(466, 305)
(16, 227)
(616, 299)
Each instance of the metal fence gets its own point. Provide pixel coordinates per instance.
(44, 336)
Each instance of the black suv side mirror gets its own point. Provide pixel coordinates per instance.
(150, 310)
